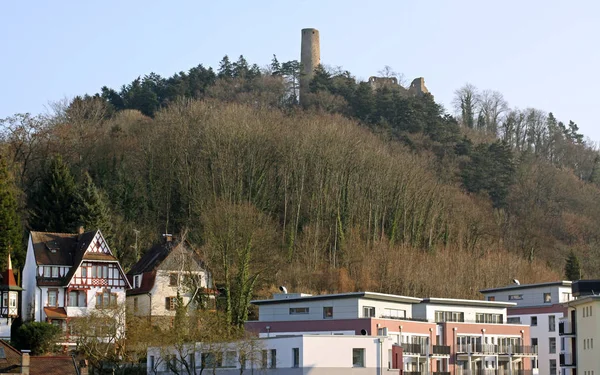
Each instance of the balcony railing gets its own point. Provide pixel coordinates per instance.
(565, 328)
(493, 372)
(441, 350)
(413, 348)
(567, 359)
(497, 349)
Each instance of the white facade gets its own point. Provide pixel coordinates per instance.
(302, 354)
(445, 309)
(342, 306)
(587, 335)
(55, 293)
(538, 305)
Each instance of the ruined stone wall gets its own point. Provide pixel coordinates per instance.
(417, 87)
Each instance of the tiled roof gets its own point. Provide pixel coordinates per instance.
(55, 312)
(146, 285)
(152, 258)
(52, 365)
(11, 360)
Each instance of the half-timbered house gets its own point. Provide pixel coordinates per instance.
(68, 275)
(9, 300)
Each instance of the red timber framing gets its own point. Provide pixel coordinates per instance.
(98, 274)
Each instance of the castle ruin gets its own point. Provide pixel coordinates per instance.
(310, 58)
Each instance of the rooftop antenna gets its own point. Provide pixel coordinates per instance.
(516, 282)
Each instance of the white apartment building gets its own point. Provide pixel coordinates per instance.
(541, 307)
(581, 330)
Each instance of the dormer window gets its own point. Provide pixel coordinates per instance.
(173, 279)
(137, 281)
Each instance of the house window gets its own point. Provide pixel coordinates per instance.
(295, 357)
(553, 367)
(264, 359)
(105, 299)
(173, 278)
(534, 321)
(77, 298)
(551, 323)
(547, 297)
(47, 271)
(13, 300)
(273, 363)
(298, 310)
(54, 272)
(53, 297)
(210, 360)
(171, 303)
(562, 343)
(491, 298)
(513, 320)
(552, 345)
(394, 313)
(230, 358)
(515, 297)
(105, 272)
(358, 357)
(534, 341)
(137, 281)
(488, 318)
(327, 312)
(152, 362)
(84, 271)
(449, 316)
(368, 312)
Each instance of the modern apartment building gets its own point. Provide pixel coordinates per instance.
(580, 330)
(541, 307)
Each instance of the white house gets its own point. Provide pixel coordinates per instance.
(541, 307)
(68, 275)
(9, 309)
(297, 354)
(168, 274)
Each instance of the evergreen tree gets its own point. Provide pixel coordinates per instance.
(241, 68)
(53, 204)
(275, 66)
(225, 68)
(573, 267)
(93, 211)
(11, 233)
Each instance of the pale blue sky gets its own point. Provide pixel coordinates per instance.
(538, 53)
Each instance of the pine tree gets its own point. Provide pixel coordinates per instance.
(573, 267)
(225, 68)
(93, 211)
(275, 66)
(53, 203)
(11, 233)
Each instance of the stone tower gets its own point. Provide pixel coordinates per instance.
(310, 57)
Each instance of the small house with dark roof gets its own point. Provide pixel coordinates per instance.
(9, 300)
(13, 361)
(168, 274)
(67, 275)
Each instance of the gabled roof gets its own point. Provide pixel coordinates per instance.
(61, 249)
(38, 365)
(152, 258)
(69, 249)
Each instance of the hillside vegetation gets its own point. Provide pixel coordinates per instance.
(352, 190)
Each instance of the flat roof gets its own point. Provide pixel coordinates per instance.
(582, 300)
(467, 302)
(526, 286)
(363, 295)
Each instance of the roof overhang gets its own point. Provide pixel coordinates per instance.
(358, 295)
(468, 302)
(526, 286)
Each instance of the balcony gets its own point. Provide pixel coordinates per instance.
(565, 328)
(441, 350)
(492, 372)
(497, 349)
(413, 348)
(567, 360)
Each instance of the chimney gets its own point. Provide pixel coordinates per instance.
(83, 367)
(25, 362)
(80, 229)
(168, 237)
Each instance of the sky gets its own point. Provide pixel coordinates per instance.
(538, 53)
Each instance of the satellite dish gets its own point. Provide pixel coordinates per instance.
(363, 332)
(516, 282)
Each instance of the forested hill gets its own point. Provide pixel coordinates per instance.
(355, 189)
